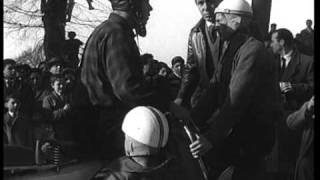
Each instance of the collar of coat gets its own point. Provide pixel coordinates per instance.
(122, 21)
(126, 164)
(199, 26)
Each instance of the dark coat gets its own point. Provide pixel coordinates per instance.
(200, 65)
(21, 131)
(242, 102)
(300, 73)
(175, 83)
(111, 69)
(57, 116)
(302, 120)
(126, 169)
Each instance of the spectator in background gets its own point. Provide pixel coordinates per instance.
(296, 86)
(70, 79)
(57, 108)
(295, 70)
(38, 117)
(9, 74)
(14, 86)
(303, 119)
(23, 72)
(55, 67)
(306, 39)
(163, 69)
(267, 40)
(177, 67)
(147, 64)
(72, 46)
(17, 130)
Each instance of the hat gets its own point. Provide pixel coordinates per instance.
(240, 7)
(54, 61)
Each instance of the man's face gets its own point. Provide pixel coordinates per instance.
(275, 44)
(9, 71)
(58, 86)
(309, 24)
(224, 26)
(12, 105)
(206, 8)
(177, 68)
(69, 79)
(146, 8)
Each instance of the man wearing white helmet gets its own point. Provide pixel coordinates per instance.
(243, 97)
(146, 135)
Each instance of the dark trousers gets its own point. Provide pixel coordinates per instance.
(109, 135)
(304, 169)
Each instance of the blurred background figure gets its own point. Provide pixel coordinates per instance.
(71, 49)
(177, 69)
(267, 40)
(306, 39)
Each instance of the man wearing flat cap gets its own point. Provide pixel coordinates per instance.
(111, 71)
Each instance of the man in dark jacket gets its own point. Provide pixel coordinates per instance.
(200, 59)
(242, 102)
(296, 85)
(304, 119)
(111, 70)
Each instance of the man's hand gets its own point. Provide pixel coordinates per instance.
(67, 107)
(178, 101)
(310, 107)
(200, 146)
(179, 112)
(285, 87)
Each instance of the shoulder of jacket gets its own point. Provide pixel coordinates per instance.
(197, 27)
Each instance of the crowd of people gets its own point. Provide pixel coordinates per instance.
(249, 103)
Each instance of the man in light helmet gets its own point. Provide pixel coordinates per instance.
(146, 134)
(243, 97)
(111, 71)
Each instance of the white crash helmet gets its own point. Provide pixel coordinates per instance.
(240, 7)
(146, 125)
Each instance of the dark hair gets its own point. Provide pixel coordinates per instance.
(71, 34)
(35, 70)
(177, 59)
(286, 35)
(8, 61)
(56, 77)
(11, 96)
(68, 71)
(145, 58)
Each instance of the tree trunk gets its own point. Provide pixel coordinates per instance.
(54, 21)
(261, 12)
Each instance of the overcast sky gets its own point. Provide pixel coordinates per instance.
(171, 20)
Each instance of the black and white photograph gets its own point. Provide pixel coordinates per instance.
(158, 89)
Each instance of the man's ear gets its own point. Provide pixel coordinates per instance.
(282, 42)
